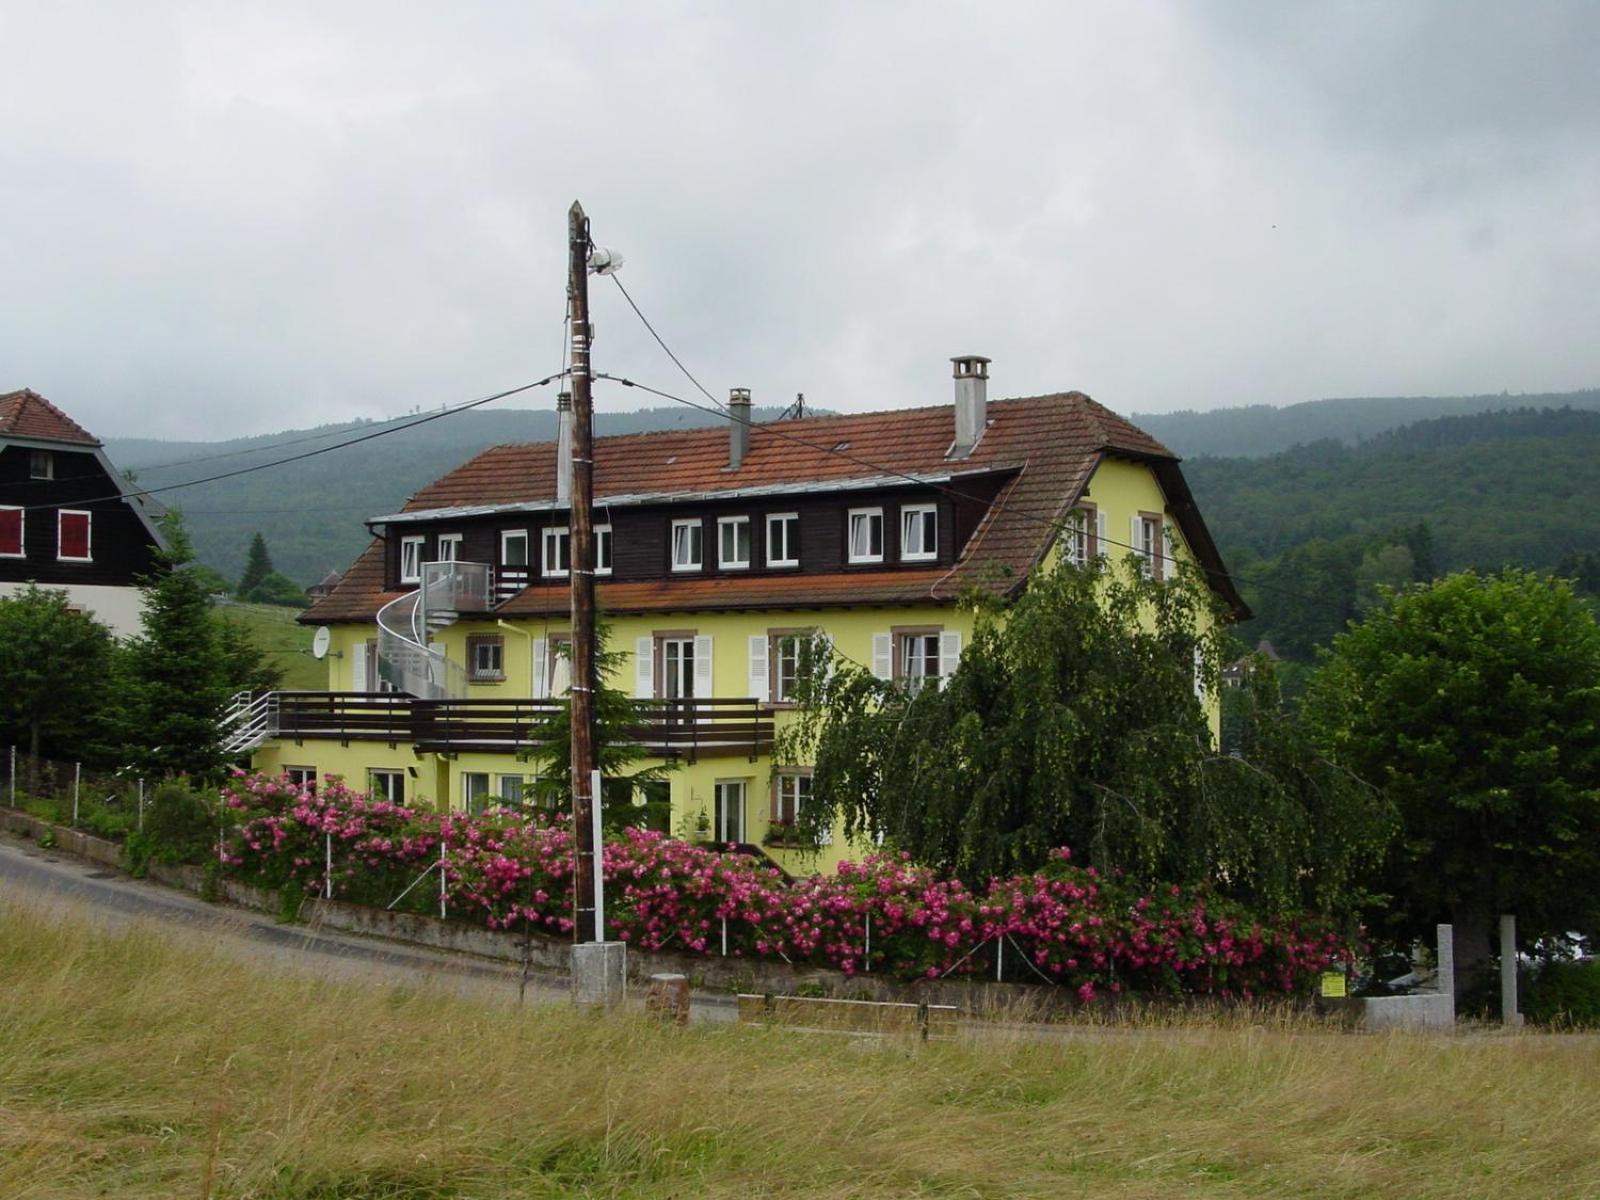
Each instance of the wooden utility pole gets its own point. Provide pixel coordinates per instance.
(580, 570)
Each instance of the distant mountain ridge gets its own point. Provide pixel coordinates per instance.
(312, 511)
(1262, 429)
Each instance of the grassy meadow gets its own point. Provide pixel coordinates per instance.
(285, 643)
(142, 1064)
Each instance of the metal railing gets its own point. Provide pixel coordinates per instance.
(407, 661)
(249, 721)
(683, 729)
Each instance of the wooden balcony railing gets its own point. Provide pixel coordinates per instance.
(684, 729)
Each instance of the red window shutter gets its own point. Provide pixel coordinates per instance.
(74, 535)
(10, 531)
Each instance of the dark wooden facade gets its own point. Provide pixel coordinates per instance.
(641, 535)
(122, 547)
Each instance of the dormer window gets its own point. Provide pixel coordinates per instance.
(919, 532)
(687, 552)
(41, 464)
(602, 549)
(411, 559)
(783, 539)
(866, 535)
(449, 547)
(557, 556)
(733, 543)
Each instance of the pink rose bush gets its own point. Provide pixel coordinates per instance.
(1064, 925)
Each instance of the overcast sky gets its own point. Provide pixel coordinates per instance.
(219, 219)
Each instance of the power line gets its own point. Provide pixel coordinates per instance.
(676, 360)
(139, 493)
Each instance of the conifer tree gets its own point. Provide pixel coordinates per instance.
(258, 565)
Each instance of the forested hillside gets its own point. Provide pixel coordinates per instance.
(1314, 531)
(1261, 429)
(311, 512)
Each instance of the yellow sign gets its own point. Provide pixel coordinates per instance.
(1333, 984)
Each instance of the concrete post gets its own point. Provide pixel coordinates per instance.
(1446, 957)
(1508, 971)
(598, 974)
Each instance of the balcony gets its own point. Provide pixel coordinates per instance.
(685, 730)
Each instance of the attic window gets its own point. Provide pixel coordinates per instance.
(41, 464)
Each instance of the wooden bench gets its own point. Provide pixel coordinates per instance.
(849, 1016)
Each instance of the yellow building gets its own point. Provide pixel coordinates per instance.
(719, 549)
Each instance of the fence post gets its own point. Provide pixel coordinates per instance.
(77, 780)
(442, 884)
(866, 956)
(141, 804)
(724, 937)
(327, 868)
(999, 958)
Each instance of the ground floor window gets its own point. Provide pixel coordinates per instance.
(302, 777)
(387, 785)
(474, 791)
(509, 788)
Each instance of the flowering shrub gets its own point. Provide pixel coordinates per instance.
(1065, 924)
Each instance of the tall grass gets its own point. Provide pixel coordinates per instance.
(141, 1064)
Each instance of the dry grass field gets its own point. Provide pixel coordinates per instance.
(141, 1064)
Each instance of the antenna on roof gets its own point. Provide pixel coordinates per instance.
(795, 411)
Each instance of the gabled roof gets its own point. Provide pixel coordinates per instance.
(26, 414)
(1039, 451)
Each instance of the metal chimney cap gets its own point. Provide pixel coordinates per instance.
(971, 364)
(563, 401)
(738, 395)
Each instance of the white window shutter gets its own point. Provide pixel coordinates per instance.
(644, 668)
(1169, 561)
(358, 667)
(758, 666)
(883, 655)
(1134, 540)
(949, 655)
(541, 669)
(702, 666)
(1102, 534)
(1199, 676)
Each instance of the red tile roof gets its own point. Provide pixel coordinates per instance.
(26, 414)
(1049, 445)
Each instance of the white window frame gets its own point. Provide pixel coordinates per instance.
(868, 514)
(482, 797)
(795, 800)
(602, 549)
(307, 777)
(453, 554)
(911, 516)
(722, 807)
(555, 544)
(35, 457)
(411, 547)
(698, 540)
(88, 518)
(724, 524)
(1080, 536)
(483, 641)
(507, 536)
(22, 531)
(499, 790)
(791, 548)
(392, 773)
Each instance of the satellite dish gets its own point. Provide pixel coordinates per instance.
(320, 641)
(604, 261)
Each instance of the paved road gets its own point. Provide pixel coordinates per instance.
(48, 880)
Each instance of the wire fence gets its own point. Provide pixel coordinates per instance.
(108, 803)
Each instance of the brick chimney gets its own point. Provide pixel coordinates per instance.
(738, 426)
(972, 402)
(564, 448)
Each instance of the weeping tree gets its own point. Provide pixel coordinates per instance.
(1076, 718)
